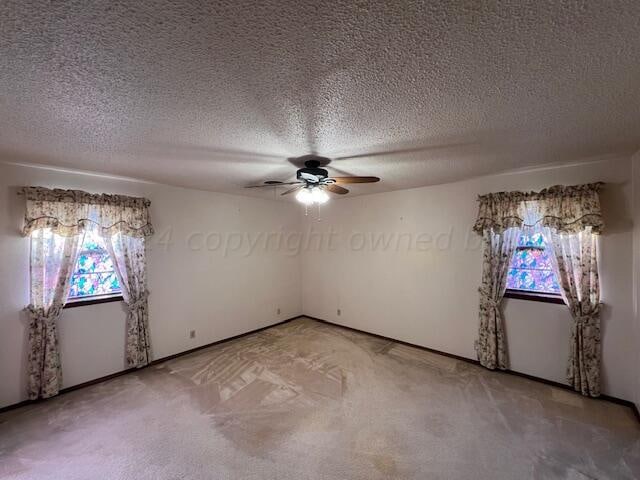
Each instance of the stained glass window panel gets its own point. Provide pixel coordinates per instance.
(94, 274)
(532, 259)
(531, 269)
(531, 240)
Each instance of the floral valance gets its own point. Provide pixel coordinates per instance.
(69, 212)
(568, 209)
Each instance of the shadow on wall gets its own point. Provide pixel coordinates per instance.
(15, 210)
(16, 207)
(606, 316)
(615, 209)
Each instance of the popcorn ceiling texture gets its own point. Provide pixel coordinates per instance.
(217, 95)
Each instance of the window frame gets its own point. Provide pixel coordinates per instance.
(534, 296)
(545, 297)
(93, 299)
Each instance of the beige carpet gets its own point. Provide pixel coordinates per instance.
(306, 400)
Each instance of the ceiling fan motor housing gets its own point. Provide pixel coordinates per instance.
(312, 167)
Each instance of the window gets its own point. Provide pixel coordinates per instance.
(94, 276)
(531, 272)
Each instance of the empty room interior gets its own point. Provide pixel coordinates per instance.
(320, 240)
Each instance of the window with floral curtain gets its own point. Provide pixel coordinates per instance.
(567, 220)
(60, 224)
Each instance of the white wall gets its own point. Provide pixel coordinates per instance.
(191, 288)
(427, 295)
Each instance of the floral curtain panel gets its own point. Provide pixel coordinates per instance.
(56, 221)
(570, 219)
(498, 250)
(128, 254)
(576, 265)
(53, 258)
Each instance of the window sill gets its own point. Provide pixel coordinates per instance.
(534, 296)
(93, 301)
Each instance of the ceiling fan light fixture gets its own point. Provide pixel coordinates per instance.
(312, 195)
(305, 196)
(319, 196)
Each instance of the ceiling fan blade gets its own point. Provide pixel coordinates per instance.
(332, 187)
(342, 180)
(291, 190)
(273, 183)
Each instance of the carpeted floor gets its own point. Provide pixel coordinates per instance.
(306, 400)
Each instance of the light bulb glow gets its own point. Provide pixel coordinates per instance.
(305, 196)
(312, 195)
(319, 196)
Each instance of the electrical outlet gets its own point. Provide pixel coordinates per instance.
(278, 310)
(339, 312)
(192, 334)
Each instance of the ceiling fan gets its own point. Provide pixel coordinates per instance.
(313, 182)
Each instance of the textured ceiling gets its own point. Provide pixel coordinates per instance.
(217, 95)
